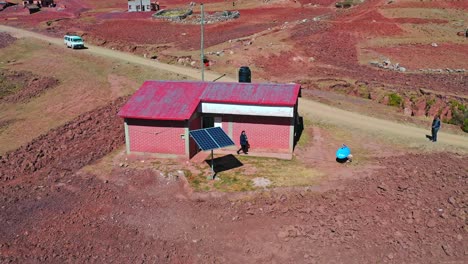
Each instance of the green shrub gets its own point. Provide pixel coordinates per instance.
(459, 117)
(455, 105)
(429, 103)
(394, 99)
(465, 125)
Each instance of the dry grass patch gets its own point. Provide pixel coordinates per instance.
(425, 13)
(86, 82)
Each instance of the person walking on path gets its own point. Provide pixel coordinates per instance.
(435, 128)
(244, 142)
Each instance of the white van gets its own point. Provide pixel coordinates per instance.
(74, 42)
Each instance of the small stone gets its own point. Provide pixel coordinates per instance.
(382, 187)
(431, 223)
(390, 256)
(452, 200)
(447, 249)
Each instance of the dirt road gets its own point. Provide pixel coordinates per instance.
(397, 132)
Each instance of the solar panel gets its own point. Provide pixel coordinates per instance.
(211, 138)
(220, 137)
(203, 139)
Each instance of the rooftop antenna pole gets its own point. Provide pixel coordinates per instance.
(202, 52)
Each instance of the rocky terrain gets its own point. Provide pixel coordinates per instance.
(5, 40)
(410, 210)
(405, 207)
(21, 86)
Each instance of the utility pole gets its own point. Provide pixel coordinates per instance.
(201, 44)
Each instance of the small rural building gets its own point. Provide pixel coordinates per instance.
(139, 5)
(5, 4)
(39, 3)
(159, 116)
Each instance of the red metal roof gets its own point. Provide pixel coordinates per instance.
(251, 93)
(178, 100)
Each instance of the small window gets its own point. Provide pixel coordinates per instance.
(218, 121)
(129, 7)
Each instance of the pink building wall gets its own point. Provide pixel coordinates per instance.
(194, 124)
(263, 132)
(156, 136)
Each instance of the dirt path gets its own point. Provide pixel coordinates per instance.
(192, 73)
(400, 133)
(406, 134)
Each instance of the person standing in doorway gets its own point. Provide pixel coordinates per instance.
(244, 142)
(435, 128)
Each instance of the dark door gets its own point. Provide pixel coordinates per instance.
(207, 121)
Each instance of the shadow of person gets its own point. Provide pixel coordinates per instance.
(429, 137)
(341, 160)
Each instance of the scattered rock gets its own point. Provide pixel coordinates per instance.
(261, 182)
(448, 250)
(383, 187)
(452, 201)
(431, 223)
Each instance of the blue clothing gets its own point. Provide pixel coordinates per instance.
(343, 152)
(435, 129)
(436, 124)
(243, 139)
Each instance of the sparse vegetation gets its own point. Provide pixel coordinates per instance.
(394, 99)
(430, 103)
(7, 87)
(459, 115)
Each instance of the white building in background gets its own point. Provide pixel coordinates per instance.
(139, 5)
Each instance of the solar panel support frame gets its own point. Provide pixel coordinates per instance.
(213, 173)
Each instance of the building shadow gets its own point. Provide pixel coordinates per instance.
(224, 163)
(298, 129)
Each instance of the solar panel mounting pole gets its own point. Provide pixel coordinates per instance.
(201, 44)
(212, 166)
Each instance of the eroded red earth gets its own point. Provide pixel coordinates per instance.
(410, 208)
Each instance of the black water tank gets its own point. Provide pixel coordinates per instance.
(244, 74)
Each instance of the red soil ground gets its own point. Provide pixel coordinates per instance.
(30, 85)
(410, 210)
(333, 41)
(430, 4)
(407, 209)
(5, 40)
(445, 55)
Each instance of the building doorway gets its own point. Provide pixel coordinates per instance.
(207, 121)
(212, 121)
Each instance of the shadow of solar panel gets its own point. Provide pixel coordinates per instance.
(220, 137)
